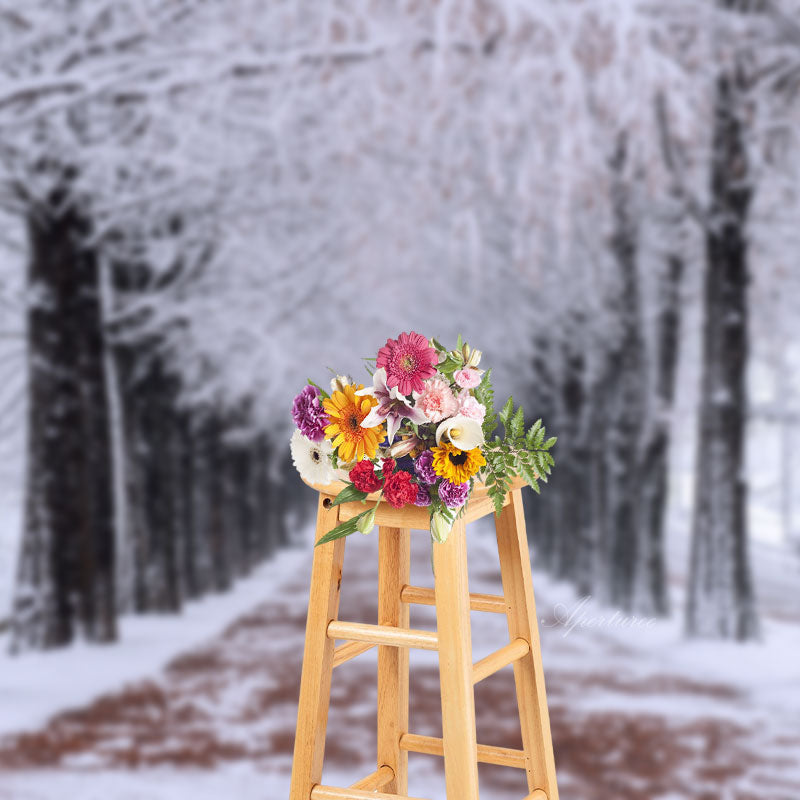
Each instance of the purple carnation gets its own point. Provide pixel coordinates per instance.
(453, 495)
(423, 496)
(309, 415)
(423, 466)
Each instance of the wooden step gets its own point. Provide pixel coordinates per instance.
(477, 602)
(537, 794)
(333, 793)
(382, 634)
(512, 652)
(487, 754)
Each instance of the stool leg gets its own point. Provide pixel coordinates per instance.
(393, 573)
(455, 665)
(315, 681)
(512, 545)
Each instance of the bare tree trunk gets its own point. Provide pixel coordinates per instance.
(266, 539)
(158, 433)
(186, 511)
(221, 565)
(652, 596)
(625, 395)
(721, 597)
(66, 572)
(543, 518)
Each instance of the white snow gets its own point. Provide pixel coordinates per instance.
(760, 681)
(36, 685)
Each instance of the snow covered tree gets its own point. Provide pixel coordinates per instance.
(721, 597)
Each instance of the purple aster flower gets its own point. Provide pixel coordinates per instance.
(392, 406)
(309, 415)
(453, 495)
(423, 466)
(423, 496)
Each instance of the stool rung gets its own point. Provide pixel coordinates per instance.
(512, 652)
(477, 602)
(383, 634)
(375, 781)
(537, 794)
(344, 652)
(487, 754)
(333, 793)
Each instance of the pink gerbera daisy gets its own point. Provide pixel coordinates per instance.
(408, 360)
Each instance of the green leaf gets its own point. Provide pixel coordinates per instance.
(449, 366)
(459, 342)
(507, 411)
(497, 494)
(484, 393)
(549, 443)
(322, 392)
(344, 529)
(517, 423)
(530, 436)
(527, 473)
(348, 495)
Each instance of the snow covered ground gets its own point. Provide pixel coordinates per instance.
(637, 711)
(35, 686)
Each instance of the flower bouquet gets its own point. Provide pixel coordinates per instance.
(421, 434)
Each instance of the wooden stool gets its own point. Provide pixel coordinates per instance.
(392, 635)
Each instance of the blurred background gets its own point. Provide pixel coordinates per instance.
(206, 202)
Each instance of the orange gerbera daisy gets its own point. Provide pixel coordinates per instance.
(346, 412)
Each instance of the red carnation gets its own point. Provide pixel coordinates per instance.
(399, 491)
(364, 478)
(388, 467)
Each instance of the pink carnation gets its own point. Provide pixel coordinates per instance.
(468, 406)
(437, 400)
(467, 378)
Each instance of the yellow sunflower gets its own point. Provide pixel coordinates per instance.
(346, 412)
(457, 466)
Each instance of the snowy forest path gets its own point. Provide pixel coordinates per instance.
(625, 724)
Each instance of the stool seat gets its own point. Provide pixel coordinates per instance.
(479, 505)
(393, 636)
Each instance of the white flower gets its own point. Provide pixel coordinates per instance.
(339, 382)
(473, 359)
(311, 459)
(461, 431)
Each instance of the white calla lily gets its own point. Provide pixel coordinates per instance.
(462, 432)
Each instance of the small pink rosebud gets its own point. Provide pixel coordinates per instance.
(467, 378)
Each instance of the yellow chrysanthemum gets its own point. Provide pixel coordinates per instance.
(457, 466)
(346, 411)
